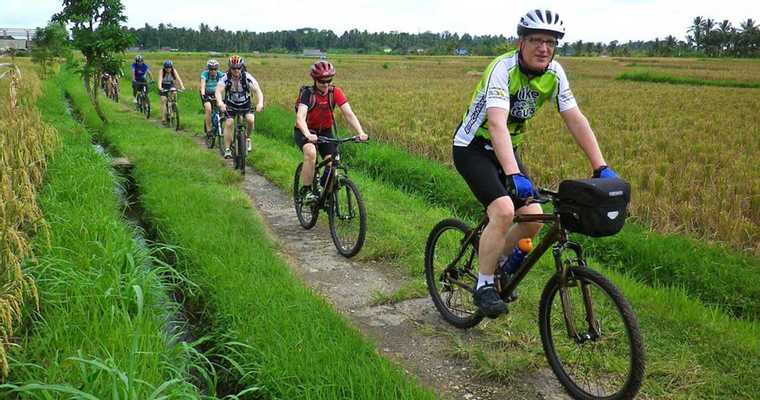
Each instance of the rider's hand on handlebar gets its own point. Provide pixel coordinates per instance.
(222, 108)
(363, 137)
(604, 172)
(312, 137)
(522, 186)
(259, 107)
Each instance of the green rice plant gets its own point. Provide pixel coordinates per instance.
(646, 76)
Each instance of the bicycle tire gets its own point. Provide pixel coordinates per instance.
(439, 253)
(340, 204)
(242, 151)
(146, 107)
(175, 111)
(307, 215)
(632, 357)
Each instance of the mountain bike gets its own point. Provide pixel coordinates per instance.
(172, 111)
(589, 332)
(143, 100)
(340, 198)
(114, 92)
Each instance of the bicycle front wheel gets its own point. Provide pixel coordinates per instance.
(604, 357)
(175, 111)
(242, 151)
(307, 213)
(146, 107)
(348, 218)
(451, 268)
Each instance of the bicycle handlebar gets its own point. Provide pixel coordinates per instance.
(323, 139)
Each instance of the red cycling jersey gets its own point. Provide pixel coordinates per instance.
(320, 117)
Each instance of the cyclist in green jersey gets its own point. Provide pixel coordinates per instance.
(485, 149)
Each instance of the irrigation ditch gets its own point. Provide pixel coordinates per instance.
(187, 311)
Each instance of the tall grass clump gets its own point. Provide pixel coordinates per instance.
(294, 345)
(646, 76)
(25, 143)
(102, 329)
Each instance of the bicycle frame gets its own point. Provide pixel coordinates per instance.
(557, 239)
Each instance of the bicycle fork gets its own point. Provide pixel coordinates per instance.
(565, 283)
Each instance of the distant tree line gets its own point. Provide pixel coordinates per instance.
(207, 39)
(706, 37)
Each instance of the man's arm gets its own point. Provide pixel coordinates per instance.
(579, 127)
(303, 109)
(502, 142)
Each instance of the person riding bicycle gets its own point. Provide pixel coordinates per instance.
(233, 96)
(314, 118)
(140, 74)
(169, 78)
(486, 143)
(209, 80)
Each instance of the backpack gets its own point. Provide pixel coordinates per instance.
(243, 82)
(313, 97)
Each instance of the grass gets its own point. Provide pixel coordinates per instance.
(646, 76)
(296, 346)
(102, 328)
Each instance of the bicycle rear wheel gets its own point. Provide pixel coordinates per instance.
(451, 280)
(348, 218)
(606, 358)
(307, 214)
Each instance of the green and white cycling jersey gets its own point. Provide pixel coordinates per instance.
(504, 86)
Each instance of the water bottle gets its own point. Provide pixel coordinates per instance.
(510, 264)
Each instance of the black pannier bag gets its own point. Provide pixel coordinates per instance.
(594, 207)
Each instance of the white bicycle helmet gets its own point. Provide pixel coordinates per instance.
(541, 20)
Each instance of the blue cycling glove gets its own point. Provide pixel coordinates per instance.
(605, 172)
(522, 186)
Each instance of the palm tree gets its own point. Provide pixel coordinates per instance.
(710, 39)
(749, 40)
(727, 39)
(696, 29)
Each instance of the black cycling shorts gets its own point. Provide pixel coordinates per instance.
(323, 148)
(481, 170)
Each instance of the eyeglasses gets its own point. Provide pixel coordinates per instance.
(234, 68)
(325, 81)
(537, 42)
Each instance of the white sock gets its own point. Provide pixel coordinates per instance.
(484, 280)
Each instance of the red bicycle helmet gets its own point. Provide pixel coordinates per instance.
(322, 70)
(236, 61)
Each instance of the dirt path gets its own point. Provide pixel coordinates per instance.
(410, 332)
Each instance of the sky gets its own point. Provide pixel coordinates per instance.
(590, 21)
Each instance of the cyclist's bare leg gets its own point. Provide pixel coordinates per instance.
(228, 131)
(500, 214)
(524, 229)
(309, 159)
(207, 111)
(249, 121)
(164, 99)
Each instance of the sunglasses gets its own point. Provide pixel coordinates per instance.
(234, 69)
(324, 81)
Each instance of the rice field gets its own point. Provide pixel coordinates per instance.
(690, 152)
(25, 141)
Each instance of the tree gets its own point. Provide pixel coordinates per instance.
(98, 34)
(696, 29)
(49, 43)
